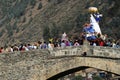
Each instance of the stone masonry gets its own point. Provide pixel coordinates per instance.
(44, 64)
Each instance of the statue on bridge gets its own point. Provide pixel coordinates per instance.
(92, 29)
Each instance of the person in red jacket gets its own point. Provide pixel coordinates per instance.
(101, 43)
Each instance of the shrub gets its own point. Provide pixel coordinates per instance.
(46, 33)
(39, 6)
(32, 3)
(77, 78)
(54, 31)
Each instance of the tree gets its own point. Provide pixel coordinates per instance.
(46, 33)
(54, 31)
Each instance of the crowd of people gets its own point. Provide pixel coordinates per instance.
(64, 41)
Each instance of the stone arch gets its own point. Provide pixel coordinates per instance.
(79, 63)
(55, 77)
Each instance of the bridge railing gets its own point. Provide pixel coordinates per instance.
(68, 51)
(108, 52)
(90, 51)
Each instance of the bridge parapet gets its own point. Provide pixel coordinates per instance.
(106, 52)
(93, 51)
(67, 51)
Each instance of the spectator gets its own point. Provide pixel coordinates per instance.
(63, 45)
(114, 44)
(44, 45)
(76, 43)
(9, 49)
(15, 48)
(50, 45)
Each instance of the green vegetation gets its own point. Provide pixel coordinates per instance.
(46, 33)
(32, 3)
(97, 78)
(50, 31)
(77, 78)
(2, 32)
(39, 6)
(54, 31)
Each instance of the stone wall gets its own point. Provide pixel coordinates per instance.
(97, 51)
(22, 65)
(43, 64)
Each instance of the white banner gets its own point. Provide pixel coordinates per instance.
(95, 24)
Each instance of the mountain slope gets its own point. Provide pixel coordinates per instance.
(33, 20)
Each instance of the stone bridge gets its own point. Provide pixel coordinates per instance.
(52, 64)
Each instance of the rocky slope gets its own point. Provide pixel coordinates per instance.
(33, 20)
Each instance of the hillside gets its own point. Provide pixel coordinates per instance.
(33, 20)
